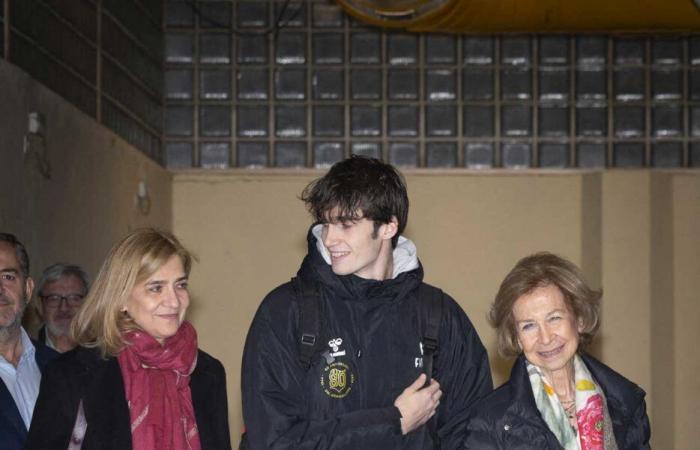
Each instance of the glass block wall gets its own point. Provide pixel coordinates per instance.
(249, 84)
(104, 56)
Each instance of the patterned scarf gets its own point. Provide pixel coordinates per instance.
(591, 413)
(157, 386)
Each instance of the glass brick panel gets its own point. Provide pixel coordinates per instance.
(478, 49)
(592, 121)
(478, 84)
(440, 85)
(628, 154)
(591, 84)
(441, 154)
(327, 153)
(553, 155)
(440, 49)
(214, 48)
(252, 84)
(178, 155)
(251, 14)
(328, 84)
(554, 50)
(629, 50)
(694, 154)
(178, 121)
(441, 120)
(478, 121)
(667, 84)
(403, 84)
(667, 154)
(328, 121)
(516, 155)
(478, 155)
(629, 121)
(252, 154)
(366, 84)
(214, 15)
(177, 14)
(591, 50)
(291, 48)
(629, 84)
(591, 154)
(214, 121)
(294, 14)
(366, 120)
(694, 84)
(694, 49)
(365, 48)
(515, 50)
(554, 121)
(402, 48)
(516, 120)
(327, 16)
(179, 48)
(516, 84)
(178, 84)
(694, 121)
(403, 154)
(290, 121)
(403, 120)
(554, 84)
(667, 50)
(214, 84)
(369, 149)
(290, 154)
(667, 121)
(252, 121)
(290, 84)
(328, 48)
(214, 155)
(251, 49)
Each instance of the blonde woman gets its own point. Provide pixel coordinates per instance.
(136, 380)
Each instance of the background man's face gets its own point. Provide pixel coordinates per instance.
(14, 288)
(58, 317)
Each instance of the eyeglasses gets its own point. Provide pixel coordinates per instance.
(54, 300)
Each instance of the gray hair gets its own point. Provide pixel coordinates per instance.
(59, 270)
(20, 252)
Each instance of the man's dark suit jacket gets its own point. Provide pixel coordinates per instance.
(13, 433)
(83, 374)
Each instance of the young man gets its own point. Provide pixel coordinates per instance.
(364, 387)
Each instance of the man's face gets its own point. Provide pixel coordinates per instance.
(15, 290)
(59, 301)
(356, 248)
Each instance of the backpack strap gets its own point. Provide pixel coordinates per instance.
(309, 301)
(430, 299)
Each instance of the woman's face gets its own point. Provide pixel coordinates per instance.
(547, 330)
(158, 304)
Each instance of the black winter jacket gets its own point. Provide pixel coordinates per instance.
(348, 404)
(509, 418)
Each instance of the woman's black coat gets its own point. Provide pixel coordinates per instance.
(508, 418)
(82, 373)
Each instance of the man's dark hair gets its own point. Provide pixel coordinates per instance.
(359, 187)
(20, 252)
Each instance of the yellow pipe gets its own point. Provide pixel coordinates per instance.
(488, 16)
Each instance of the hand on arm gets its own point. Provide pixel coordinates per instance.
(417, 404)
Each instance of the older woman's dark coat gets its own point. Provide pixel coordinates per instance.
(83, 374)
(508, 418)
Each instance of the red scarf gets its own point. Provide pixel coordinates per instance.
(157, 386)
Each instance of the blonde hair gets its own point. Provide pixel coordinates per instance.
(540, 270)
(100, 321)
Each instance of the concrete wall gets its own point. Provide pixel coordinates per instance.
(89, 201)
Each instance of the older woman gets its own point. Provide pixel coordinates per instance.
(557, 396)
(136, 380)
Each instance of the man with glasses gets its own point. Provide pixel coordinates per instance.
(61, 291)
(21, 359)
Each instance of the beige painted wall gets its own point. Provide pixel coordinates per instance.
(89, 201)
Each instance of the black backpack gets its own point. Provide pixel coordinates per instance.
(311, 327)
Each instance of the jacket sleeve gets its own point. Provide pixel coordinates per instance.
(54, 412)
(463, 373)
(638, 432)
(274, 390)
(479, 435)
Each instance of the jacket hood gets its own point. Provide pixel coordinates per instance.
(407, 272)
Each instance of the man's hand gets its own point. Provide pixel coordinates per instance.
(417, 404)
